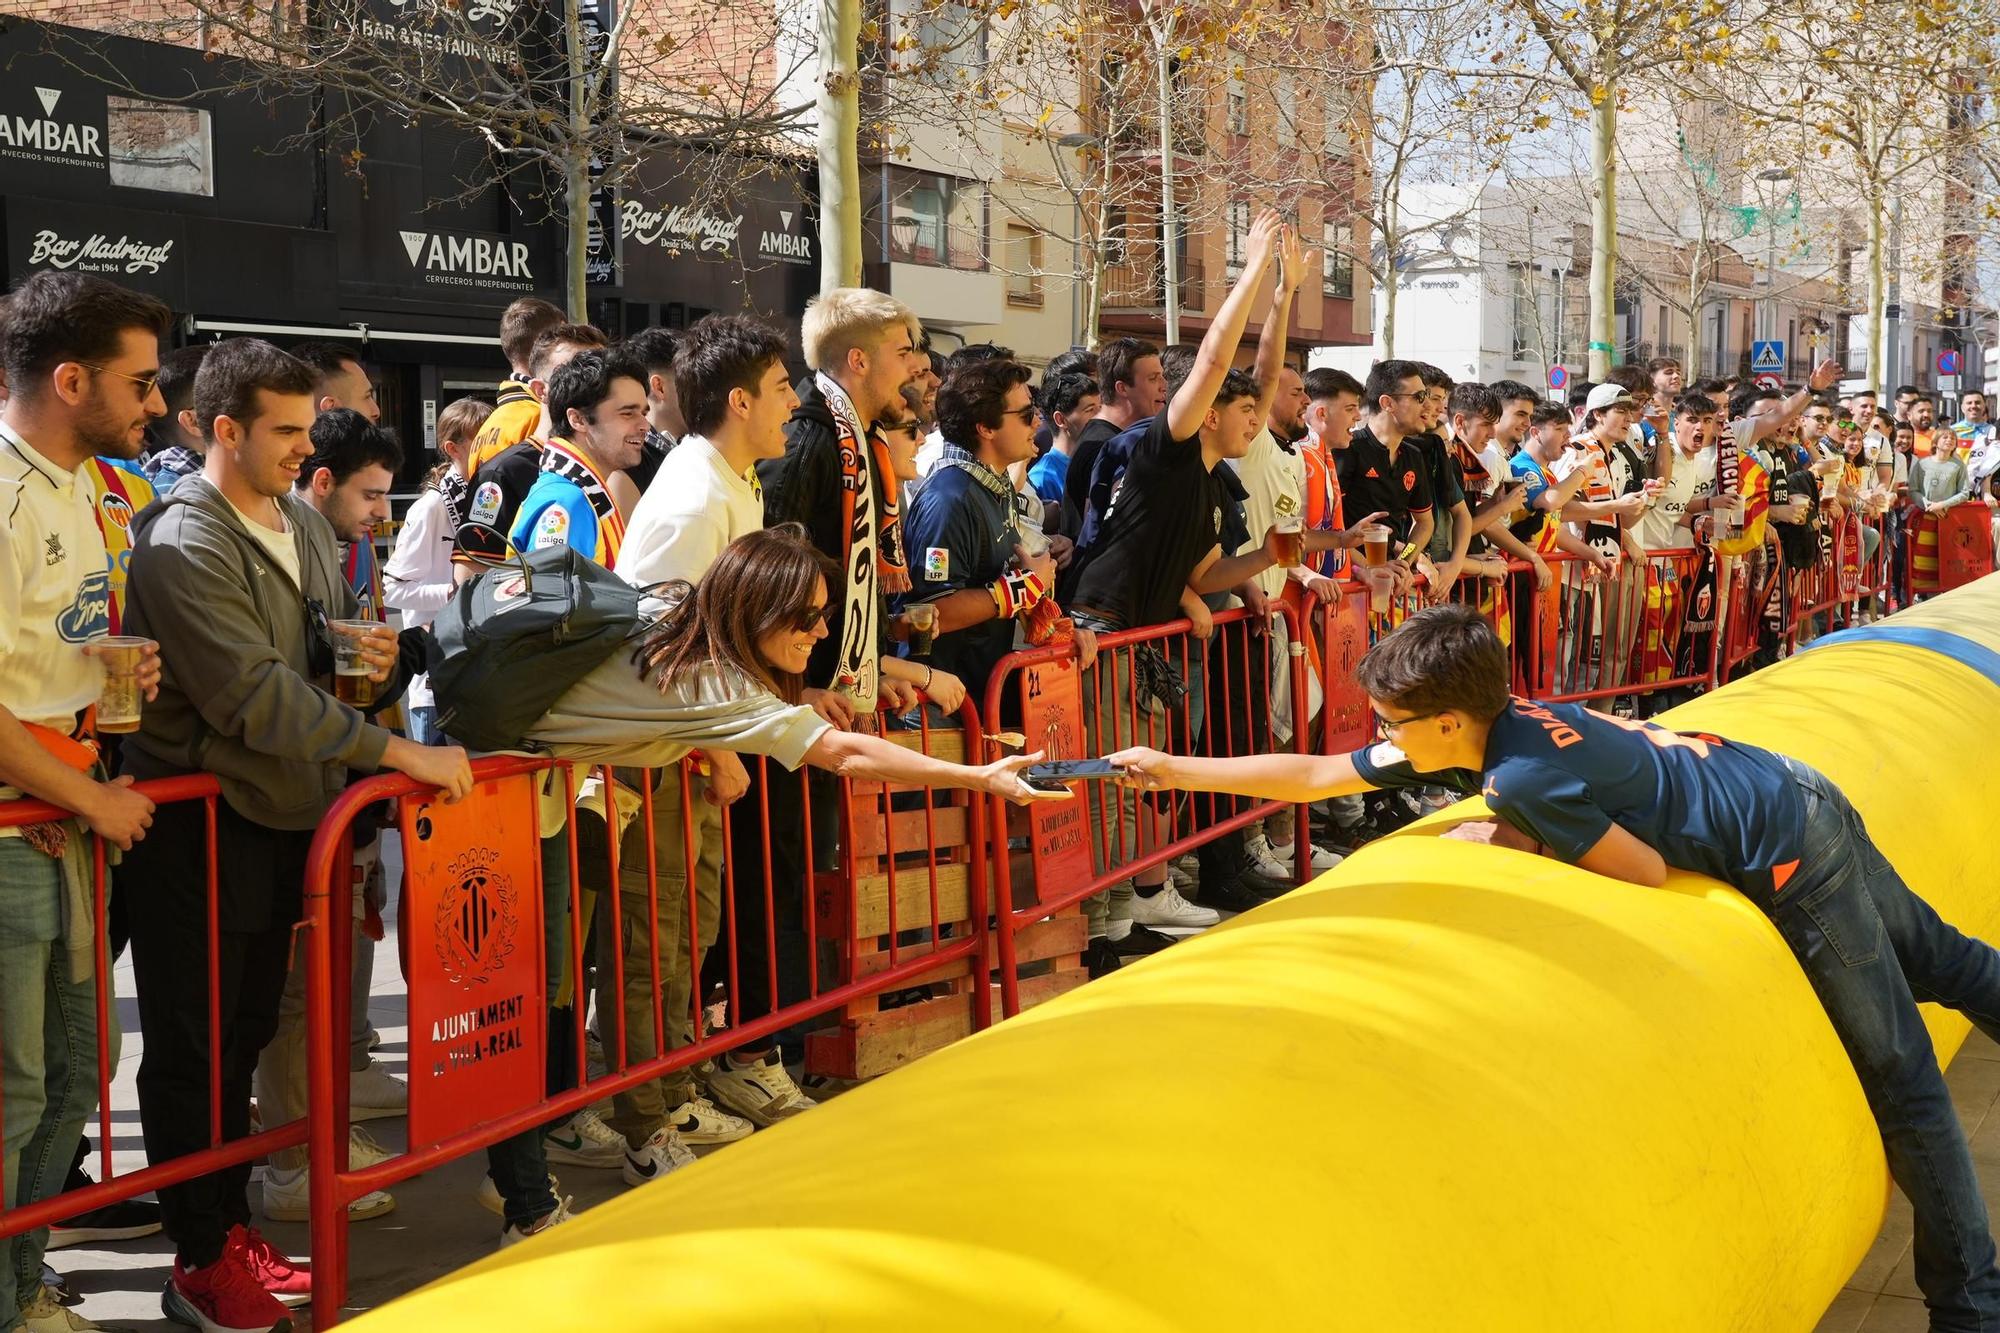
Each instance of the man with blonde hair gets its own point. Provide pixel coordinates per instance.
(862, 347)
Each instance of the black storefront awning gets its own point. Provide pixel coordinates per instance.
(731, 237)
(207, 267)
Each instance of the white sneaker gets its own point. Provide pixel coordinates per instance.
(1262, 860)
(288, 1198)
(585, 1141)
(515, 1235)
(1322, 859)
(374, 1093)
(490, 1200)
(700, 1120)
(763, 1093)
(1168, 908)
(363, 1150)
(45, 1315)
(656, 1157)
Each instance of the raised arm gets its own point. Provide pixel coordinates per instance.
(1189, 407)
(1292, 261)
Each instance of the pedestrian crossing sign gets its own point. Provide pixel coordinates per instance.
(1767, 354)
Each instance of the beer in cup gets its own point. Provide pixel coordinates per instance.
(118, 705)
(351, 682)
(923, 628)
(1291, 530)
(1375, 550)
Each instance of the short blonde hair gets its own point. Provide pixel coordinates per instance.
(845, 318)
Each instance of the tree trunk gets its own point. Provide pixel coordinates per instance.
(1094, 290)
(839, 108)
(576, 169)
(1878, 294)
(1170, 266)
(1603, 230)
(1391, 242)
(1389, 289)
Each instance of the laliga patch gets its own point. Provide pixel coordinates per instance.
(552, 528)
(937, 564)
(486, 502)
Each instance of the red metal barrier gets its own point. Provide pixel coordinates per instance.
(112, 1187)
(909, 906)
(1107, 707)
(875, 958)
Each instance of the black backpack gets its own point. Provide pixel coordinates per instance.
(514, 639)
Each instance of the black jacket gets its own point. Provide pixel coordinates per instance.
(804, 487)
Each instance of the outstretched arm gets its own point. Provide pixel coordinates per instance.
(1292, 778)
(856, 754)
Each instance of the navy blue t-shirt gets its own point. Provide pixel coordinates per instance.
(1563, 775)
(958, 534)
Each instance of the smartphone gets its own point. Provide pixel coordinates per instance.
(1057, 774)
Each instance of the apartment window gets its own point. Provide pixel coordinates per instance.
(1337, 260)
(152, 146)
(1113, 240)
(1024, 266)
(1285, 98)
(1239, 237)
(936, 220)
(950, 41)
(1238, 103)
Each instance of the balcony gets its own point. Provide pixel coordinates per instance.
(1139, 284)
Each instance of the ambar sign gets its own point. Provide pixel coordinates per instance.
(49, 137)
(469, 261)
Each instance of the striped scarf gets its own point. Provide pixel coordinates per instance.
(861, 599)
(561, 457)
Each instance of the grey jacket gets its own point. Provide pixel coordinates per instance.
(237, 696)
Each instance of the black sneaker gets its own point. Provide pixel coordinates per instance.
(1230, 895)
(1099, 958)
(1141, 940)
(114, 1221)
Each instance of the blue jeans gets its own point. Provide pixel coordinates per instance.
(423, 724)
(48, 1055)
(1872, 949)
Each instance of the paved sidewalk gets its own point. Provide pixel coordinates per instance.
(1882, 1295)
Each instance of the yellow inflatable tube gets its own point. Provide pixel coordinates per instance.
(1446, 1087)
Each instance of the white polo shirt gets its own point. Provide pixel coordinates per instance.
(694, 507)
(55, 588)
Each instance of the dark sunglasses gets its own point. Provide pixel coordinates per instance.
(146, 383)
(811, 620)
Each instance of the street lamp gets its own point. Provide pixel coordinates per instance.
(1773, 176)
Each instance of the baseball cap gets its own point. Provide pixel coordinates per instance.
(1606, 395)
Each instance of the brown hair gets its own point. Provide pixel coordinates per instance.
(1443, 657)
(522, 324)
(460, 420)
(762, 582)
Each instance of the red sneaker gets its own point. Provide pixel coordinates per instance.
(287, 1282)
(223, 1298)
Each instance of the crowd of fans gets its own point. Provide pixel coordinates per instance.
(877, 537)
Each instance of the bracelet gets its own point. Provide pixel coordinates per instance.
(929, 674)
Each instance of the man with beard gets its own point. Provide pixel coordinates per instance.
(81, 357)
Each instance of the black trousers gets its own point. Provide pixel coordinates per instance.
(163, 881)
(775, 802)
(1236, 721)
